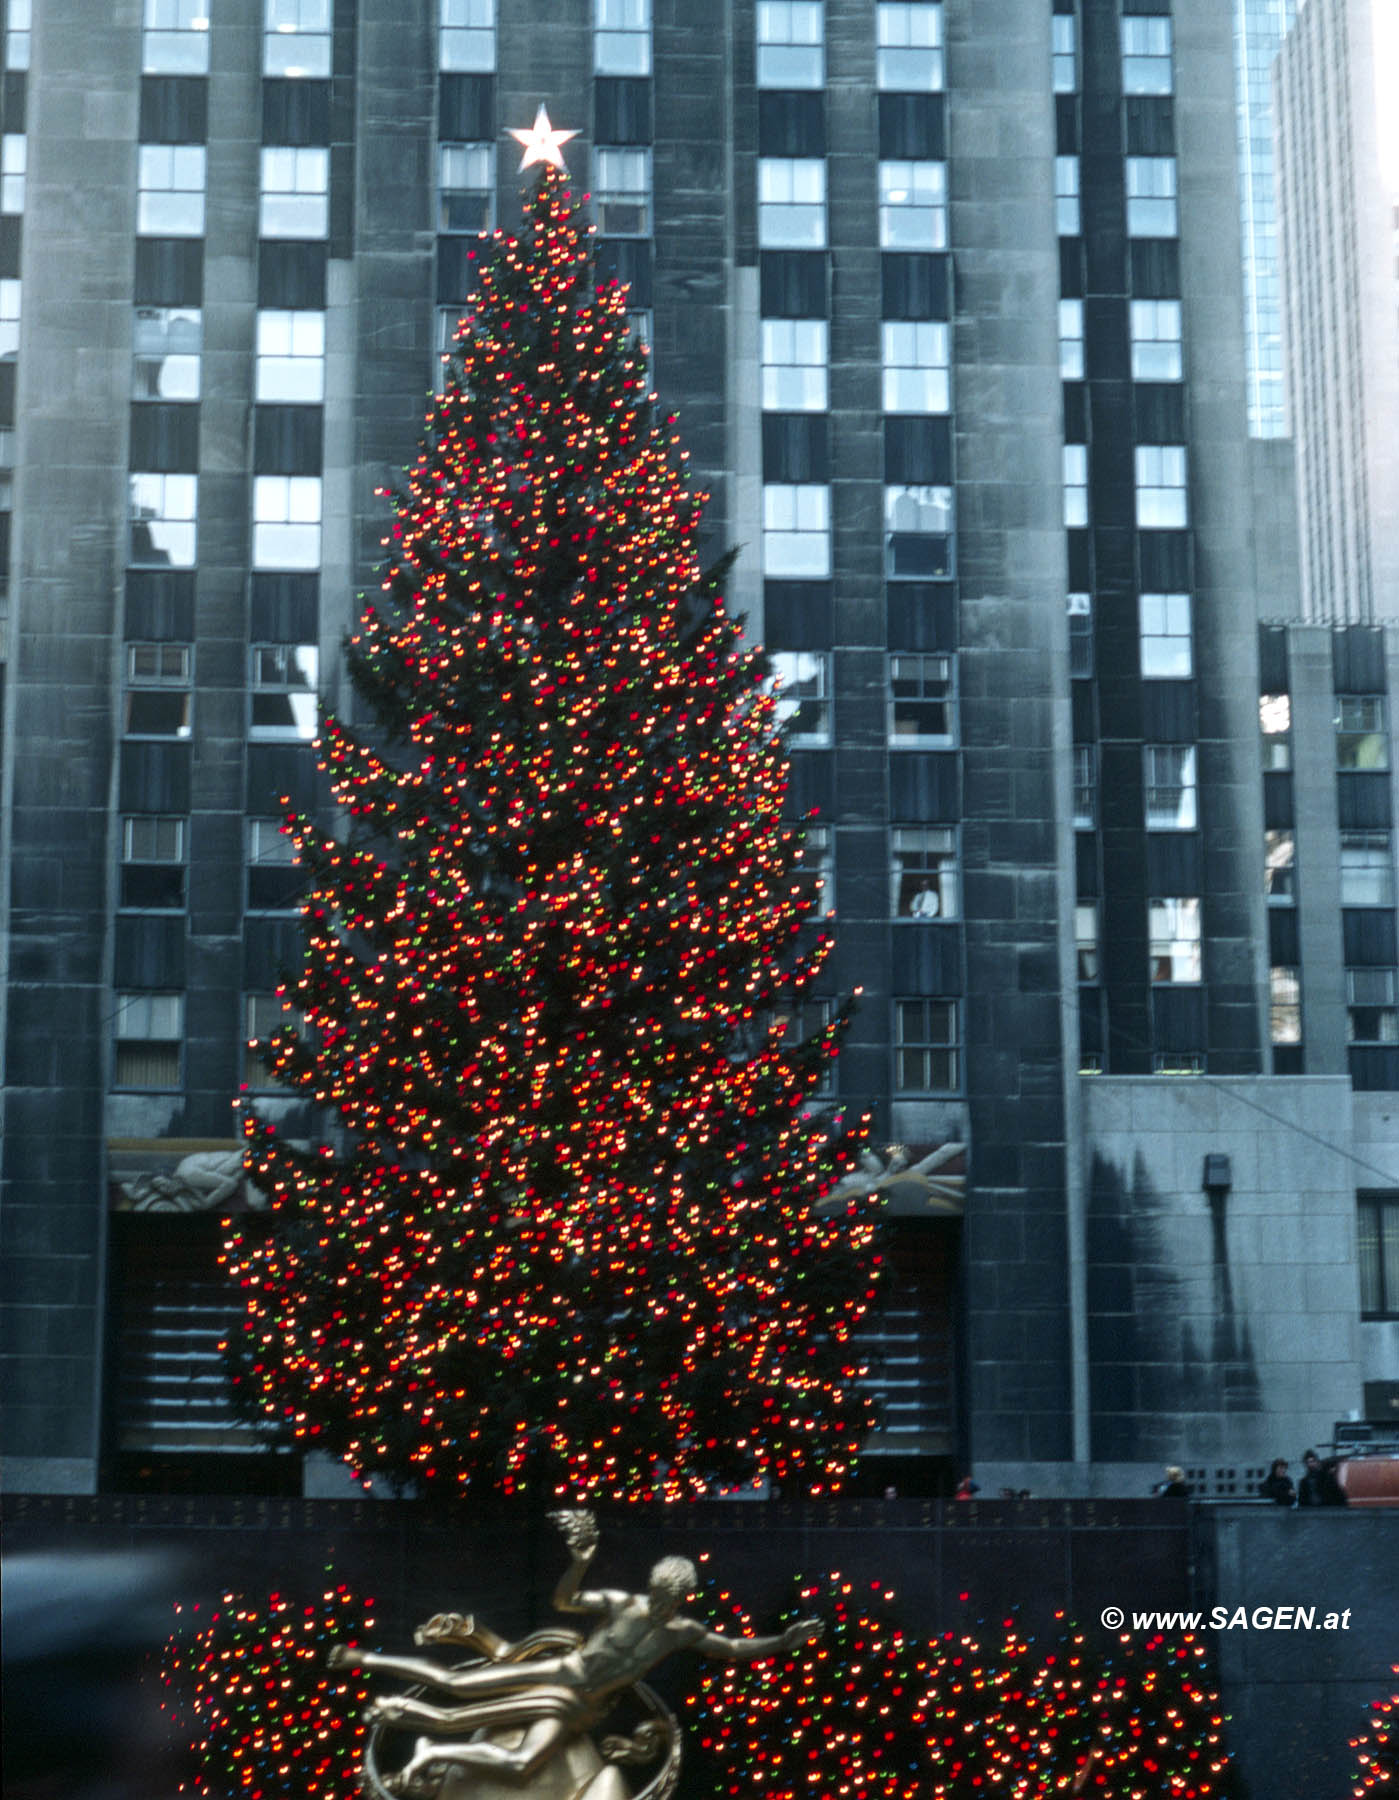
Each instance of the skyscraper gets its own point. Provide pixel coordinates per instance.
(1259, 28)
(949, 301)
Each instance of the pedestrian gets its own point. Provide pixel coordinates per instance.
(1174, 1486)
(967, 1489)
(1277, 1485)
(1320, 1486)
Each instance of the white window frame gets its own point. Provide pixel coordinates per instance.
(622, 191)
(1367, 868)
(160, 372)
(294, 191)
(1167, 650)
(296, 39)
(175, 37)
(466, 173)
(287, 521)
(917, 361)
(909, 47)
(151, 1017)
(929, 680)
(913, 511)
(1284, 1004)
(1275, 728)
(19, 19)
(791, 202)
(802, 684)
(288, 675)
(1170, 786)
(1156, 340)
(466, 36)
(1064, 42)
(1084, 777)
(1075, 462)
(913, 205)
(1086, 940)
(1280, 866)
(1071, 363)
(794, 356)
(1162, 476)
(1146, 54)
(797, 530)
(933, 1050)
(1152, 208)
(167, 834)
(1372, 991)
(924, 872)
(1362, 732)
(170, 183)
(166, 507)
(290, 364)
(621, 37)
(791, 43)
(1068, 217)
(1174, 940)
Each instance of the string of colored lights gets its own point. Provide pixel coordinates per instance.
(877, 1712)
(1377, 1751)
(556, 955)
(248, 1690)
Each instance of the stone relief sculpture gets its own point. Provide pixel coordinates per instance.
(203, 1181)
(518, 1719)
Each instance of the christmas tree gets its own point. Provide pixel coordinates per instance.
(1377, 1752)
(556, 958)
(248, 1691)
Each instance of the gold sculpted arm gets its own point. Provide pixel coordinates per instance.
(754, 1649)
(580, 1533)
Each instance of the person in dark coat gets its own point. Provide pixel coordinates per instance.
(1319, 1486)
(1174, 1486)
(1277, 1486)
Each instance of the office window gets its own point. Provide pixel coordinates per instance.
(164, 520)
(175, 40)
(1362, 741)
(1161, 496)
(1146, 55)
(149, 1029)
(816, 866)
(1284, 1005)
(1151, 196)
(295, 193)
(622, 37)
(923, 872)
(1280, 868)
(922, 699)
(1372, 1006)
(1377, 1237)
(290, 356)
(799, 1021)
(622, 192)
(913, 205)
(1066, 206)
(170, 190)
(18, 21)
(466, 188)
(908, 51)
(296, 38)
(1165, 636)
(791, 36)
(1156, 340)
(1081, 635)
(167, 345)
(274, 877)
(283, 685)
(797, 530)
(13, 154)
(1170, 786)
(794, 353)
(1075, 458)
(152, 862)
(791, 202)
(1275, 723)
(1065, 40)
(1367, 869)
(1085, 785)
(1070, 326)
(925, 1046)
(803, 684)
(916, 360)
(466, 36)
(164, 665)
(1173, 932)
(157, 712)
(1086, 939)
(10, 299)
(918, 531)
(286, 521)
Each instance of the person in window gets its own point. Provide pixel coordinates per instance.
(1174, 1486)
(1277, 1484)
(926, 904)
(1319, 1486)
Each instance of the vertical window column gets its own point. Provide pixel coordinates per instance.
(623, 107)
(466, 159)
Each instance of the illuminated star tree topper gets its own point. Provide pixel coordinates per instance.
(561, 955)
